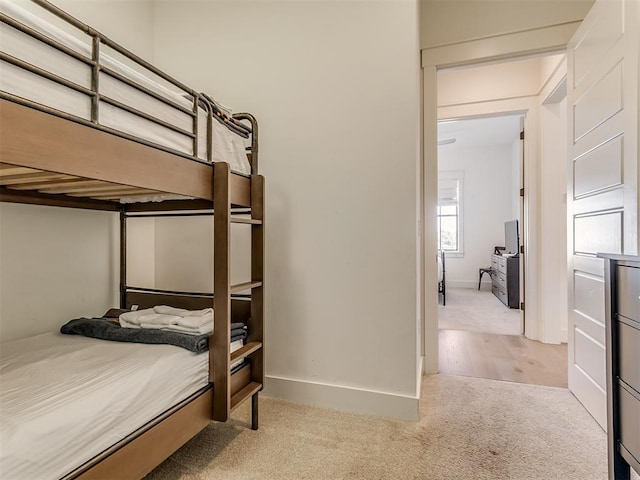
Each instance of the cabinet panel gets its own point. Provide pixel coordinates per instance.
(630, 425)
(629, 354)
(629, 292)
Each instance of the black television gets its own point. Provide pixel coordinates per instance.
(511, 238)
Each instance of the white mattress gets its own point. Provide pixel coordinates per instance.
(226, 146)
(65, 399)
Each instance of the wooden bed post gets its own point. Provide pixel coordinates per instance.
(256, 325)
(123, 256)
(219, 342)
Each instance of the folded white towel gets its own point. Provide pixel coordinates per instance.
(135, 316)
(195, 322)
(180, 312)
(195, 325)
(208, 328)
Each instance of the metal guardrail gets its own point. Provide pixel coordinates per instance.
(95, 62)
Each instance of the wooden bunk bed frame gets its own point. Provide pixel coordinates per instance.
(49, 158)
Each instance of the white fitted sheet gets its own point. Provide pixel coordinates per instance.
(65, 399)
(226, 146)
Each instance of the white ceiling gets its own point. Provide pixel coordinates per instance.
(480, 132)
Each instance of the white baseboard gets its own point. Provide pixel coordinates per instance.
(351, 399)
(564, 335)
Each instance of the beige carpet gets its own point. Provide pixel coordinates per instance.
(477, 311)
(469, 429)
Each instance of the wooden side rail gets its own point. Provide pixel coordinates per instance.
(48, 156)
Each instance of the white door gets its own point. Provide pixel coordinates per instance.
(603, 177)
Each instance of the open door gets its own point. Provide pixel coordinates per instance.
(602, 198)
(523, 226)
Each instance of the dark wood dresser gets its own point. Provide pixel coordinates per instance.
(622, 290)
(505, 279)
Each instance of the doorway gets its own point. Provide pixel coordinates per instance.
(479, 178)
(480, 147)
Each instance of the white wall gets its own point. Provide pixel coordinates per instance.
(334, 87)
(487, 203)
(141, 266)
(59, 263)
(446, 22)
(489, 82)
(127, 22)
(55, 264)
(184, 254)
(496, 81)
(554, 220)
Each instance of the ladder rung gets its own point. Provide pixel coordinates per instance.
(245, 393)
(248, 349)
(241, 287)
(250, 221)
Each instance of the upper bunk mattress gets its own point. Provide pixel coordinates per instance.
(65, 399)
(226, 145)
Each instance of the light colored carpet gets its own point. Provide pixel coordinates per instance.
(469, 429)
(477, 311)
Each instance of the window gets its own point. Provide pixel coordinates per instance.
(449, 213)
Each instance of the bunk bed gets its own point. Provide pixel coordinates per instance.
(87, 124)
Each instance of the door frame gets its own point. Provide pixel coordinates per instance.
(501, 47)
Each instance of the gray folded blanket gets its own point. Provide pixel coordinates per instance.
(106, 329)
(238, 331)
(239, 336)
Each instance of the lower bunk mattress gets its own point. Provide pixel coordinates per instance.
(65, 399)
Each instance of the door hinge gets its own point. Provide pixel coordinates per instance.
(522, 306)
(522, 135)
(522, 249)
(521, 192)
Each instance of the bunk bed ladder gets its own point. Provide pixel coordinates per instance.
(250, 385)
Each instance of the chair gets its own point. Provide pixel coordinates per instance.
(481, 272)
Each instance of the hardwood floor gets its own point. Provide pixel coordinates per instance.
(511, 358)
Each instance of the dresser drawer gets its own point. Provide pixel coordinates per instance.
(500, 279)
(500, 293)
(494, 263)
(629, 354)
(630, 422)
(501, 264)
(629, 292)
